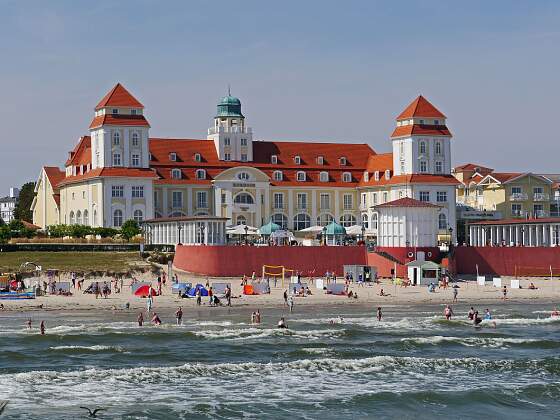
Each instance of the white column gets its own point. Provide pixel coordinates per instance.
(551, 235)
(206, 233)
(290, 209)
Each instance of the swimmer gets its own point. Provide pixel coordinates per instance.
(258, 316)
(179, 316)
(140, 319)
(487, 314)
(42, 327)
(476, 319)
(379, 313)
(448, 312)
(282, 323)
(156, 320)
(28, 324)
(253, 318)
(555, 313)
(470, 314)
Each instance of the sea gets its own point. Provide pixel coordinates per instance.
(334, 362)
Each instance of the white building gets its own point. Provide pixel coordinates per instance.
(8, 205)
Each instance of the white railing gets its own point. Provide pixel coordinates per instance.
(540, 213)
(519, 213)
(540, 197)
(518, 197)
(232, 129)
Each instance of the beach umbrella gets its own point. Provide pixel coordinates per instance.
(143, 291)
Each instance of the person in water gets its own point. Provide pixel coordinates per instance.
(179, 316)
(42, 327)
(156, 320)
(504, 293)
(448, 312)
(286, 297)
(291, 303)
(487, 314)
(258, 317)
(470, 314)
(476, 319)
(253, 317)
(28, 323)
(140, 319)
(282, 323)
(379, 313)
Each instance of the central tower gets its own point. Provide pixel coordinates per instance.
(232, 138)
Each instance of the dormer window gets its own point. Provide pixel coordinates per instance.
(346, 177)
(274, 159)
(376, 175)
(200, 174)
(300, 176)
(173, 157)
(324, 177)
(436, 122)
(133, 112)
(320, 160)
(342, 161)
(116, 138)
(175, 173)
(297, 160)
(278, 176)
(197, 157)
(387, 174)
(366, 176)
(115, 111)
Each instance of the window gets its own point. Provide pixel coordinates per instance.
(243, 157)
(402, 167)
(320, 160)
(274, 159)
(401, 148)
(301, 221)
(226, 141)
(243, 142)
(436, 122)
(135, 159)
(364, 199)
(385, 197)
(280, 220)
(133, 112)
(117, 218)
(201, 200)
(365, 221)
(116, 138)
(173, 157)
(374, 199)
(86, 218)
(243, 176)
(346, 177)
(117, 191)
(366, 176)
(83, 194)
(135, 139)
(324, 177)
(347, 220)
(516, 209)
(387, 174)
(325, 201)
(423, 166)
(197, 157)
(538, 210)
(515, 190)
(200, 174)
(374, 221)
(421, 121)
(72, 218)
(224, 198)
(376, 175)
(78, 217)
(343, 161)
(227, 156)
(538, 190)
(278, 175)
(422, 148)
(347, 200)
(177, 199)
(441, 196)
(243, 198)
(137, 191)
(302, 201)
(115, 111)
(241, 220)
(117, 159)
(439, 167)
(156, 199)
(324, 219)
(138, 215)
(438, 148)
(175, 173)
(278, 200)
(297, 160)
(442, 221)
(301, 176)
(425, 196)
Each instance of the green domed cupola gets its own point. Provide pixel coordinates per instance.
(229, 106)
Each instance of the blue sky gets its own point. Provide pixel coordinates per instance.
(304, 70)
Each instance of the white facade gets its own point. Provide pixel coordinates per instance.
(8, 205)
(407, 226)
(202, 230)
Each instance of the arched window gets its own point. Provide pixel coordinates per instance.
(301, 221)
(176, 173)
(442, 221)
(200, 174)
(86, 218)
(278, 176)
(135, 139)
(280, 220)
(343, 161)
(197, 157)
(347, 220)
(365, 221)
(78, 217)
(241, 220)
(324, 219)
(324, 176)
(243, 176)
(297, 160)
(243, 198)
(72, 218)
(138, 215)
(116, 138)
(374, 221)
(117, 218)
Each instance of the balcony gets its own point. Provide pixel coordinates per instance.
(541, 197)
(232, 129)
(518, 197)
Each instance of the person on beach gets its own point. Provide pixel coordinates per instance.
(149, 303)
(228, 295)
(179, 316)
(382, 293)
(156, 320)
(448, 312)
(282, 323)
(73, 276)
(286, 297)
(198, 297)
(379, 313)
(455, 293)
(164, 278)
(211, 297)
(258, 316)
(470, 314)
(42, 327)
(105, 290)
(291, 304)
(140, 319)
(504, 293)
(28, 323)
(80, 284)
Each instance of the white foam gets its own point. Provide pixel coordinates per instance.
(484, 342)
(90, 348)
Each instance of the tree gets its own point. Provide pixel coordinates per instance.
(23, 206)
(130, 229)
(5, 234)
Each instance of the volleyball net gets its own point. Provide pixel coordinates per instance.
(536, 271)
(277, 271)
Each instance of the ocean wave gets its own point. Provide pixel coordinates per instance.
(484, 342)
(94, 348)
(254, 333)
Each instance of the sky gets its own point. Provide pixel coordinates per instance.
(304, 70)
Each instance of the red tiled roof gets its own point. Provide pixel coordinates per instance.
(505, 176)
(420, 107)
(380, 162)
(119, 119)
(406, 202)
(472, 167)
(56, 198)
(119, 97)
(517, 221)
(54, 174)
(30, 225)
(81, 155)
(420, 130)
(110, 172)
